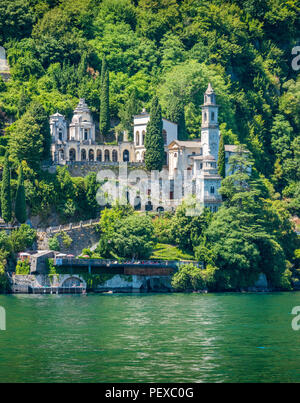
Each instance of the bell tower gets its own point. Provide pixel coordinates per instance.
(210, 133)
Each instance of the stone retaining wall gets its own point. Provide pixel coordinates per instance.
(82, 237)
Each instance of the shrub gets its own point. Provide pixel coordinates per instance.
(22, 238)
(23, 267)
(66, 239)
(190, 277)
(54, 243)
(285, 280)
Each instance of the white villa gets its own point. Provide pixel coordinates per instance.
(195, 161)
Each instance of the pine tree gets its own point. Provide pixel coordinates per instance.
(221, 158)
(104, 122)
(5, 191)
(154, 143)
(20, 207)
(175, 113)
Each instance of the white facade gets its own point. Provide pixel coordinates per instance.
(190, 166)
(170, 133)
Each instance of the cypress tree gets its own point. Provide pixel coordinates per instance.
(104, 121)
(221, 158)
(5, 191)
(175, 113)
(154, 143)
(20, 207)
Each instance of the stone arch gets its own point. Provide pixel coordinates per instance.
(72, 154)
(71, 282)
(137, 203)
(149, 206)
(114, 155)
(83, 155)
(99, 155)
(160, 209)
(91, 155)
(143, 156)
(126, 156)
(137, 138)
(138, 156)
(106, 156)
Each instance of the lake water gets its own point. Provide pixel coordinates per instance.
(150, 338)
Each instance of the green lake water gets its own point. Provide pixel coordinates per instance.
(150, 338)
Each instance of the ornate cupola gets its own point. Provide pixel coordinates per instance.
(82, 127)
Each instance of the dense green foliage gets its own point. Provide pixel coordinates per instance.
(20, 205)
(175, 113)
(154, 143)
(190, 277)
(250, 234)
(187, 231)
(124, 234)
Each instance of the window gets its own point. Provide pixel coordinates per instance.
(115, 156)
(164, 133)
(60, 133)
(212, 189)
(213, 116)
(85, 134)
(143, 137)
(137, 138)
(91, 155)
(125, 155)
(205, 116)
(83, 155)
(106, 155)
(99, 155)
(72, 154)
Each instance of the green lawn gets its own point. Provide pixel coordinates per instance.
(170, 252)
